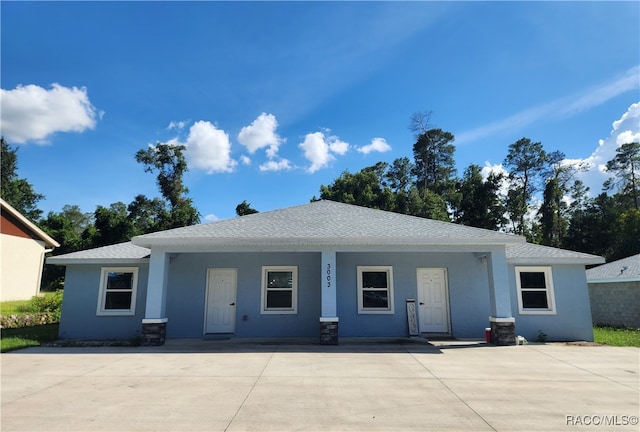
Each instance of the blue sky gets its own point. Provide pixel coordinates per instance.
(274, 99)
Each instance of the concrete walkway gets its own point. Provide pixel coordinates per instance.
(402, 386)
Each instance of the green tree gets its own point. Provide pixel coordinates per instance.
(526, 163)
(363, 188)
(111, 225)
(626, 169)
(148, 215)
(67, 228)
(480, 204)
(554, 213)
(434, 163)
(427, 204)
(244, 208)
(399, 176)
(592, 229)
(171, 165)
(19, 193)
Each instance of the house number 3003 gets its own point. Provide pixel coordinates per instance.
(328, 275)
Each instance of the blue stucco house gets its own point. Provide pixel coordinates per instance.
(325, 270)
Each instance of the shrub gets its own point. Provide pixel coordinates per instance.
(50, 304)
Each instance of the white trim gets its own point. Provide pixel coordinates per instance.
(208, 286)
(104, 275)
(294, 291)
(548, 277)
(30, 225)
(155, 320)
(329, 319)
(445, 278)
(501, 320)
(390, 310)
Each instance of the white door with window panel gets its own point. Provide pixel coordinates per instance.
(221, 300)
(433, 300)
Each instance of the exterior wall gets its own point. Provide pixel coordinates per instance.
(468, 293)
(80, 302)
(21, 267)
(615, 303)
(187, 284)
(187, 292)
(572, 321)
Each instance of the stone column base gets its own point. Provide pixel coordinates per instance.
(503, 331)
(154, 332)
(329, 331)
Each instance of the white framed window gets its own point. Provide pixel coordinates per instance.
(535, 291)
(279, 290)
(118, 288)
(375, 290)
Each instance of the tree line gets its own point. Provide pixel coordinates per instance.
(539, 196)
(425, 185)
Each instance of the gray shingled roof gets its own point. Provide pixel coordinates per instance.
(532, 254)
(114, 254)
(326, 223)
(626, 269)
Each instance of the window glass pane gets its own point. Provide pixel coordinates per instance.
(534, 300)
(120, 280)
(279, 279)
(374, 279)
(279, 299)
(118, 300)
(532, 280)
(375, 299)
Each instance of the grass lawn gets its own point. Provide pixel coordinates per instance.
(23, 337)
(11, 307)
(616, 336)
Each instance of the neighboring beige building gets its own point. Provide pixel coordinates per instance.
(22, 249)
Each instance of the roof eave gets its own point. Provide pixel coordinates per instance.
(49, 241)
(610, 280)
(97, 261)
(556, 260)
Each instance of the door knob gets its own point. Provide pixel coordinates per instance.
(232, 304)
(421, 304)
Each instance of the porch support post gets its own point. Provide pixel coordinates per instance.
(329, 310)
(501, 320)
(154, 324)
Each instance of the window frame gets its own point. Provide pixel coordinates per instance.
(264, 310)
(390, 291)
(102, 293)
(548, 278)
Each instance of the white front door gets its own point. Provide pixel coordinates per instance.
(221, 300)
(433, 300)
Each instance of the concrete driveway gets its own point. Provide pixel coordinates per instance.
(361, 386)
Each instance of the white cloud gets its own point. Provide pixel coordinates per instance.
(377, 145)
(245, 160)
(624, 130)
(488, 169)
(261, 133)
(176, 125)
(318, 149)
(32, 113)
(208, 148)
(563, 107)
(211, 218)
(282, 165)
(337, 146)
